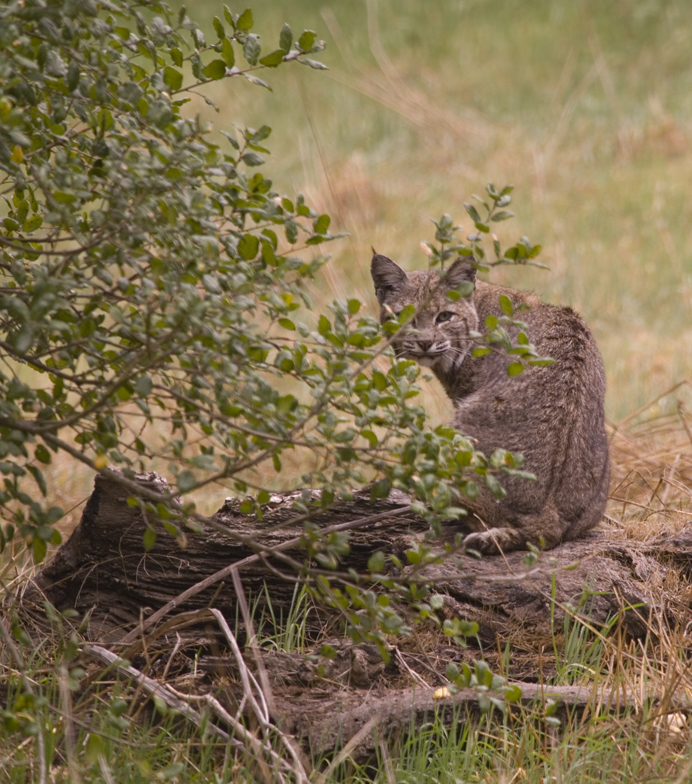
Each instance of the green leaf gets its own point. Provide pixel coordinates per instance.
(503, 215)
(515, 368)
(465, 289)
(452, 672)
(471, 490)
(473, 212)
(379, 380)
(64, 198)
(218, 27)
(406, 314)
(149, 538)
(252, 49)
(245, 22)
(172, 78)
(248, 247)
(55, 65)
(258, 82)
(262, 133)
(215, 70)
(227, 53)
(506, 305)
(186, 481)
(130, 92)
(95, 748)
(412, 557)
(354, 305)
(274, 59)
(468, 628)
(73, 74)
(316, 64)
(42, 454)
(39, 548)
(307, 40)
(176, 56)
(40, 480)
(370, 437)
(321, 225)
(144, 386)
(376, 562)
(496, 489)
(542, 362)
(33, 223)
(23, 340)
(291, 231)
(252, 159)
(285, 38)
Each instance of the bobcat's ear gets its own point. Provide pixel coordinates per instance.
(387, 275)
(461, 271)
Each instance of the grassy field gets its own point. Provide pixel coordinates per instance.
(586, 107)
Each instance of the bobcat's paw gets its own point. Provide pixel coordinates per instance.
(495, 540)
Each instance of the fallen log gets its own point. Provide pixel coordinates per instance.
(141, 600)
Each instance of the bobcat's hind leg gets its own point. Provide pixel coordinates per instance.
(495, 540)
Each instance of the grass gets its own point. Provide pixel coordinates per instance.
(585, 106)
(98, 733)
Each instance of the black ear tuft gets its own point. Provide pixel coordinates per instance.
(462, 270)
(387, 275)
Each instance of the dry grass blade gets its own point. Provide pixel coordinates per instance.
(256, 699)
(153, 688)
(651, 453)
(396, 92)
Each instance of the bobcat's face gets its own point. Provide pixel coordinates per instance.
(438, 334)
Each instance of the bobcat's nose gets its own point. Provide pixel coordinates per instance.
(425, 345)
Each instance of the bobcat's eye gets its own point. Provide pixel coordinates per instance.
(446, 315)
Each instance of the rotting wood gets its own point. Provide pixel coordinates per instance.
(103, 570)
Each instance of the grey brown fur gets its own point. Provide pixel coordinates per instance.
(552, 415)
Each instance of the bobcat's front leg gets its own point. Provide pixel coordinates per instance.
(544, 530)
(495, 540)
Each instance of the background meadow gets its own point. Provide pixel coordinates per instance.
(584, 106)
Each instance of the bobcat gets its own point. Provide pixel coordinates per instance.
(552, 415)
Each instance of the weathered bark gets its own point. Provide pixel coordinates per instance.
(104, 570)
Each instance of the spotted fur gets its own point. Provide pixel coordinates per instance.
(553, 415)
